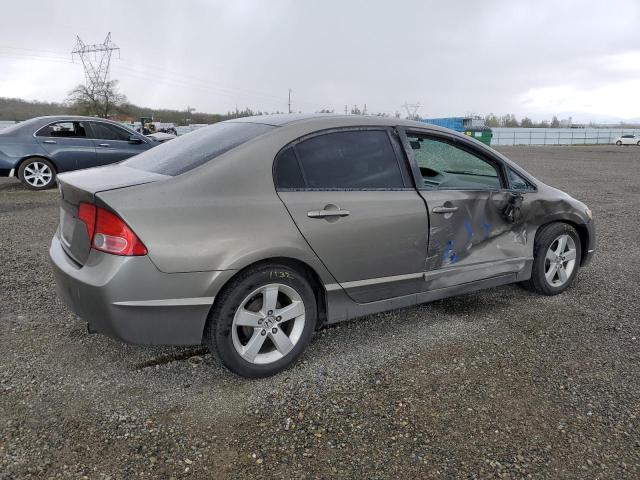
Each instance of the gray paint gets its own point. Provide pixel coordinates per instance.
(205, 225)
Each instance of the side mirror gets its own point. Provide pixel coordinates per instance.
(512, 212)
(134, 139)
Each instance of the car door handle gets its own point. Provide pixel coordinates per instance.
(103, 144)
(443, 209)
(49, 141)
(328, 213)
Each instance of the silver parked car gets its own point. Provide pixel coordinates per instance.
(250, 234)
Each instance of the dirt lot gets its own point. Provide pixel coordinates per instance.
(497, 384)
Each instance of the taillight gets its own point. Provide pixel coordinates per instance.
(108, 233)
(87, 213)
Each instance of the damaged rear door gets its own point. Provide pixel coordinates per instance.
(475, 222)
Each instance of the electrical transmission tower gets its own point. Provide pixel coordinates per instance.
(412, 110)
(96, 60)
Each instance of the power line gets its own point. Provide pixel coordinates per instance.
(145, 71)
(96, 60)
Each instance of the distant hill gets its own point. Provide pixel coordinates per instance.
(16, 109)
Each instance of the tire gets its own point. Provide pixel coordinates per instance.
(638, 144)
(618, 143)
(37, 174)
(244, 333)
(550, 259)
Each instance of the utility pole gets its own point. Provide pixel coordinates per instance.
(290, 100)
(188, 111)
(345, 109)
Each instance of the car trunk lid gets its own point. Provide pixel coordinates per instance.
(82, 186)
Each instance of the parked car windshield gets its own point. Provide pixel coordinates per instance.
(196, 148)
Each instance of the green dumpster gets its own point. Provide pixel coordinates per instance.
(482, 134)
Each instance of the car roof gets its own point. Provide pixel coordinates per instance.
(71, 118)
(331, 119)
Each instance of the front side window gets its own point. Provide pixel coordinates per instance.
(519, 183)
(351, 160)
(445, 166)
(106, 131)
(63, 130)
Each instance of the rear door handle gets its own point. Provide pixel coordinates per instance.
(49, 141)
(443, 209)
(103, 144)
(328, 213)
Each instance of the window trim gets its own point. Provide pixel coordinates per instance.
(87, 130)
(456, 142)
(89, 124)
(292, 144)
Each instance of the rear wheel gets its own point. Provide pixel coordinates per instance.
(556, 259)
(262, 321)
(37, 174)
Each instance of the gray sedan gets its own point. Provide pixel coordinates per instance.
(250, 234)
(36, 150)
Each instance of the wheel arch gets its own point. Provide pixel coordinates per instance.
(303, 267)
(581, 228)
(35, 155)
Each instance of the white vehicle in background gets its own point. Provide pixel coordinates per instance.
(628, 140)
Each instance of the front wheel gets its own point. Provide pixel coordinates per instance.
(37, 174)
(618, 143)
(262, 321)
(556, 259)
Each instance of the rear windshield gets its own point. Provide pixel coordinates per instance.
(196, 148)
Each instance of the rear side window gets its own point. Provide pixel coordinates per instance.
(354, 160)
(63, 130)
(196, 148)
(288, 173)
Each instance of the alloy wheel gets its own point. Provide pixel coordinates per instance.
(37, 174)
(560, 261)
(268, 323)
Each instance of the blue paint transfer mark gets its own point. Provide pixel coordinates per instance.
(449, 256)
(469, 229)
(486, 228)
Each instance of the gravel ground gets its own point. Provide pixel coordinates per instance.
(496, 384)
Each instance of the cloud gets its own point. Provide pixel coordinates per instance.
(453, 57)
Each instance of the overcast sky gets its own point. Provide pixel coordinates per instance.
(535, 58)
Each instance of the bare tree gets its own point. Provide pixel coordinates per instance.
(102, 102)
(526, 122)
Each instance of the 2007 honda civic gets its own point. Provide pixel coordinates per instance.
(250, 234)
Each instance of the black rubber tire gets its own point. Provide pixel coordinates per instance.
(618, 143)
(638, 144)
(217, 333)
(28, 162)
(544, 238)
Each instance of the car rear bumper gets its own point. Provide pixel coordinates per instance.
(129, 299)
